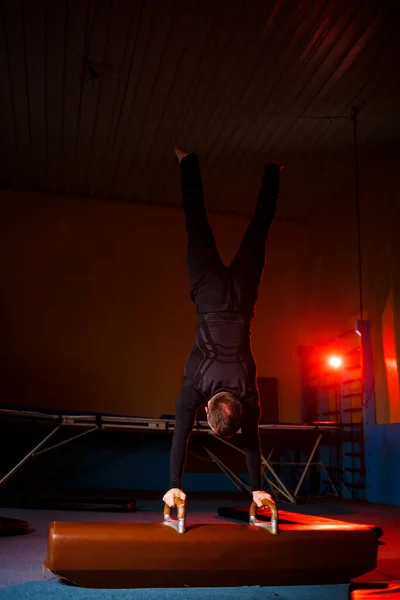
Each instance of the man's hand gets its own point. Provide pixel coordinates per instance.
(259, 496)
(171, 494)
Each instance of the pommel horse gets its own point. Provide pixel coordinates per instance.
(174, 554)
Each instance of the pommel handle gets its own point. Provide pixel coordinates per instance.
(180, 507)
(273, 526)
(180, 524)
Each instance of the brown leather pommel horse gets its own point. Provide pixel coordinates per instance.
(174, 554)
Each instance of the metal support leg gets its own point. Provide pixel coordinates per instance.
(310, 458)
(71, 439)
(280, 485)
(28, 456)
(281, 489)
(322, 466)
(237, 482)
(37, 449)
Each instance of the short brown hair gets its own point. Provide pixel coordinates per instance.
(224, 412)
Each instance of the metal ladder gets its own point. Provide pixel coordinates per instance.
(338, 398)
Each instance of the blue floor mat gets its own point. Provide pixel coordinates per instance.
(41, 590)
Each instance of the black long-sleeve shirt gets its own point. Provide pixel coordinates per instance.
(187, 405)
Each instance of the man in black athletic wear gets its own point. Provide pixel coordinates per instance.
(220, 371)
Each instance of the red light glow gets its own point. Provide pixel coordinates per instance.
(390, 353)
(391, 363)
(335, 362)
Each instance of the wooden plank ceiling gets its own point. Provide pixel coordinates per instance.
(96, 93)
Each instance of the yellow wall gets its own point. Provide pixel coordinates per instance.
(96, 309)
(333, 277)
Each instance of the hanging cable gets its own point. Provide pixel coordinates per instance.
(354, 114)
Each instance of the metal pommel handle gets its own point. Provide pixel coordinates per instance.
(273, 526)
(180, 524)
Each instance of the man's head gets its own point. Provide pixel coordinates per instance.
(223, 414)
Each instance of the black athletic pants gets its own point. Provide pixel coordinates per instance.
(204, 264)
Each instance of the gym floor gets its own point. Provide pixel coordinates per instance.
(21, 556)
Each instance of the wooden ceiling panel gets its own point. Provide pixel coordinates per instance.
(96, 94)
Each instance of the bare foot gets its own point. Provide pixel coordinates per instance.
(180, 153)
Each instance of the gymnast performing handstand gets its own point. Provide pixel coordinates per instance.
(220, 372)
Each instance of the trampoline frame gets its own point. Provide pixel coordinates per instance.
(104, 422)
